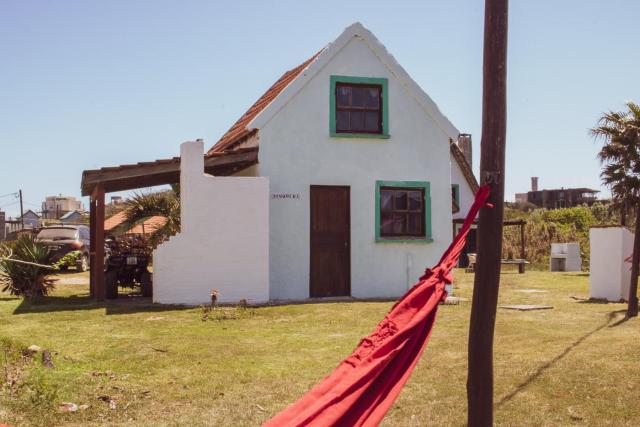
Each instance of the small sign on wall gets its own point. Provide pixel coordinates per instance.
(285, 195)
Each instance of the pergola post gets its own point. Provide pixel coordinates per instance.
(96, 254)
(522, 253)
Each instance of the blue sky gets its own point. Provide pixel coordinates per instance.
(86, 84)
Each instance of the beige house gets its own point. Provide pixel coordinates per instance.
(55, 207)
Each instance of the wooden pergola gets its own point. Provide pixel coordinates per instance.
(513, 222)
(96, 183)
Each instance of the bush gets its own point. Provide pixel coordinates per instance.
(22, 279)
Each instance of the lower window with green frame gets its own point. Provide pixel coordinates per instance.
(403, 211)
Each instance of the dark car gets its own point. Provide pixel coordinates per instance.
(62, 239)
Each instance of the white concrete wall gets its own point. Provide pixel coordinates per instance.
(609, 273)
(569, 256)
(224, 238)
(466, 195)
(296, 151)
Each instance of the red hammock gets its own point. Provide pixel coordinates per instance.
(360, 391)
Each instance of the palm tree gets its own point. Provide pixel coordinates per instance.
(145, 205)
(620, 157)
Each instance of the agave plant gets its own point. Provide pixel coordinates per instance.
(25, 278)
(145, 205)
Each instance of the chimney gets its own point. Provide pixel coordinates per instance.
(534, 183)
(464, 143)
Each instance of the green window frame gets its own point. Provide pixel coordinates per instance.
(382, 82)
(455, 192)
(423, 185)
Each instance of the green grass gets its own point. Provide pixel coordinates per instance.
(575, 364)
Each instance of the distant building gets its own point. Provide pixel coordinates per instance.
(55, 207)
(557, 198)
(30, 219)
(72, 217)
(3, 230)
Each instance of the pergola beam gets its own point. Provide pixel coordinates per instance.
(160, 172)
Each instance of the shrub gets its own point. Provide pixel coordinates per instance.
(22, 279)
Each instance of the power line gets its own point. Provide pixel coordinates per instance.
(10, 194)
(9, 204)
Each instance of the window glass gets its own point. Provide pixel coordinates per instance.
(358, 108)
(402, 212)
(342, 120)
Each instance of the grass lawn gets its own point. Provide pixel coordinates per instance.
(575, 364)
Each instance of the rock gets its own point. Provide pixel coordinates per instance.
(33, 348)
(67, 407)
(47, 361)
(83, 407)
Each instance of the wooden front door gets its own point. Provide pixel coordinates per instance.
(330, 266)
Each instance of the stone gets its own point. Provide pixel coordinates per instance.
(33, 348)
(526, 307)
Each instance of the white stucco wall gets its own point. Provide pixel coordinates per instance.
(609, 273)
(466, 194)
(224, 238)
(296, 151)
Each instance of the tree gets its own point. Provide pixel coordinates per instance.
(620, 157)
(143, 206)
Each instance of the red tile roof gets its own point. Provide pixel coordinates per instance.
(149, 225)
(114, 221)
(239, 131)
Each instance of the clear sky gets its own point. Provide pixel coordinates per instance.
(87, 84)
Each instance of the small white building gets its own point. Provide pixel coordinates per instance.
(365, 175)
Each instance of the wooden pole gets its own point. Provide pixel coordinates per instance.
(21, 211)
(522, 251)
(92, 246)
(487, 277)
(97, 243)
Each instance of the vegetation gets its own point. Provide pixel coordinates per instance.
(159, 365)
(142, 206)
(22, 279)
(620, 157)
(552, 226)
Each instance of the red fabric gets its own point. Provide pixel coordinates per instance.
(360, 391)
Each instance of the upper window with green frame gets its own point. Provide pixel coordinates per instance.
(359, 107)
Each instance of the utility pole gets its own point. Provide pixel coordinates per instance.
(487, 276)
(21, 211)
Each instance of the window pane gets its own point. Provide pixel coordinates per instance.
(415, 224)
(342, 96)
(386, 200)
(357, 96)
(342, 120)
(415, 200)
(386, 223)
(372, 97)
(357, 120)
(401, 200)
(371, 122)
(399, 223)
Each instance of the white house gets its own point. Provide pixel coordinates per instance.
(363, 171)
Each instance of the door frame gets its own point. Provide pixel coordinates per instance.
(348, 267)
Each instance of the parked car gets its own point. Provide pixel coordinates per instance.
(62, 239)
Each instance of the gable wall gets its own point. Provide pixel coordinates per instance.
(296, 151)
(466, 194)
